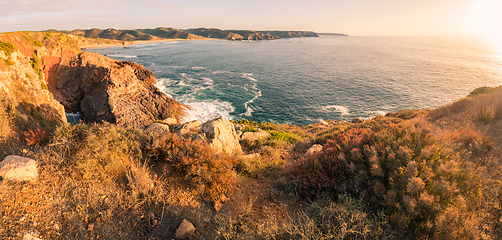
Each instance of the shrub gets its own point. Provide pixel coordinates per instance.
(35, 64)
(403, 171)
(345, 218)
(482, 91)
(250, 129)
(36, 136)
(7, 48)
(280, 136)
(209, 172)
(8, 62)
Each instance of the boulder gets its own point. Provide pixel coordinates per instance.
(254, 136)
(186, 228)
(157, 128)
(29, 236)
(316, 148)
(357, 120)
(171, 121)
(221, 136)
(18, 168)
(104, 89)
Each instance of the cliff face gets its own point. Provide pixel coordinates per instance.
(24, 94)
(44, 64)
(104, 89)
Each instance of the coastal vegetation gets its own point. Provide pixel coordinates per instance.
(412, 174)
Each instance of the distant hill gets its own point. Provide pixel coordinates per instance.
(135, 35)
(194, 33)
(334, 34)
(215, 33)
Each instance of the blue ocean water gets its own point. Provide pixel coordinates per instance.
(305, 80)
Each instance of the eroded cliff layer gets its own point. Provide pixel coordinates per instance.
(104, 89)
(47, 66)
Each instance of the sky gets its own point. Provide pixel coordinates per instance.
(355, 17)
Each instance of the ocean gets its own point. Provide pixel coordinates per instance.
(306, 80)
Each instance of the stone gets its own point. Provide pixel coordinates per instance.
(29, 236)
(254, 136)
(315, 149)
(18, 168)
(105, 89)
(189, 127)
(186, 228)
(217, 206)
(357, 120)
(171, 121)
(221, 136)
(157, 128)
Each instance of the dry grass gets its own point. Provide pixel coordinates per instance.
(103, 181)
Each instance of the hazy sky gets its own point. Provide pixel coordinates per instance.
(355, 17)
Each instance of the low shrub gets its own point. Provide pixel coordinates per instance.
(405, 172)
(250, 129)
(8, 62)
(345, 218)
(36, 136)
(211, 173)
(7, 47)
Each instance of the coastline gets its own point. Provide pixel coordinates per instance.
(129, 43)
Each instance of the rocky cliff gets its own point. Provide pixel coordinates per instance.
(35, 66)
(104, 89)
(193, 33)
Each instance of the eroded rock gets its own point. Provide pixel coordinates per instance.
(18, 168)
(186, 228)
(221, 136)
(251, 137)
(104, 89)
(315, 149)
(157, 128)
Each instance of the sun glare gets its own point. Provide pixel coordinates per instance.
(484, 17)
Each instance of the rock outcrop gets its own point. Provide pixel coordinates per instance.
(18, 168)
(221, 136)
(157, 128)
(251, 137)
(315, 149)
(24, 89)
(184, 230)
(104, 89)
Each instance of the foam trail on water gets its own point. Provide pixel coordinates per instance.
(162, 84)
(205, 111)
(256, 91)
(336, 108)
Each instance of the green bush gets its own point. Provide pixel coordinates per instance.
(280, 136)
(7, 48)
(8, 62)
(250, 129)
(36, 65)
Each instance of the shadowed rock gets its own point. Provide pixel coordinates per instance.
(104, 89)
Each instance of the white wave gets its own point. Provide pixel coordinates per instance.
(197, 68)
(335, 108)
(256, 91)
(162, 84)
(248, 76)
(122, 56)
(204, 111)
(220, 72)
(372, 114)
